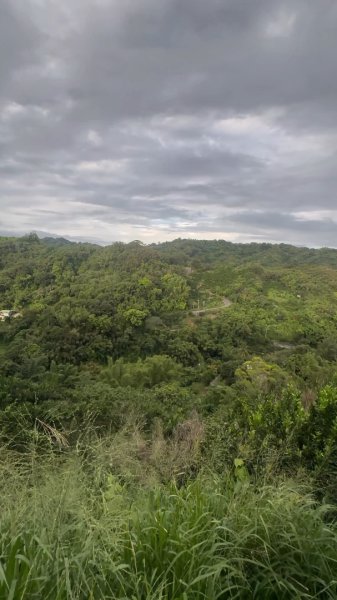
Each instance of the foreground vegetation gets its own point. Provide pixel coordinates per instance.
(168, 421)
(97, 523)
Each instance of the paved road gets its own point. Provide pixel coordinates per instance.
(226, 302)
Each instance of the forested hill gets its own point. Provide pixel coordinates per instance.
(210, 317)
(82, 304)
(212, 251)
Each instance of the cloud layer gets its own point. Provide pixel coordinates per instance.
(179, 118)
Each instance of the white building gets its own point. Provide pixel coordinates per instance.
(9, 314)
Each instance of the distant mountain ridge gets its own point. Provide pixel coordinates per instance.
(47, 235)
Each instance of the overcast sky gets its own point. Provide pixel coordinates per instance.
(158, 119)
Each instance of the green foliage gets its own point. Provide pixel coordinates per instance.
(175, 292)
(256, 376)
(143, 373)
(135, 316)
(78, 531)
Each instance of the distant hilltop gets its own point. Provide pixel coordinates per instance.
(54, 238)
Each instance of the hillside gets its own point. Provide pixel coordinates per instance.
(174, 388)
(84, 304)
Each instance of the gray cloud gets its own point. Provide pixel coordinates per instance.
(149, 120)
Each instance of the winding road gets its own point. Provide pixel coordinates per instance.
(226, 302)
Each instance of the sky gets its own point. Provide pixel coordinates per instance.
(159, 119)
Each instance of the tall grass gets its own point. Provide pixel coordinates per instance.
(97, 522)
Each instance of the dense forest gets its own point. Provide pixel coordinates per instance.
(168, 420)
